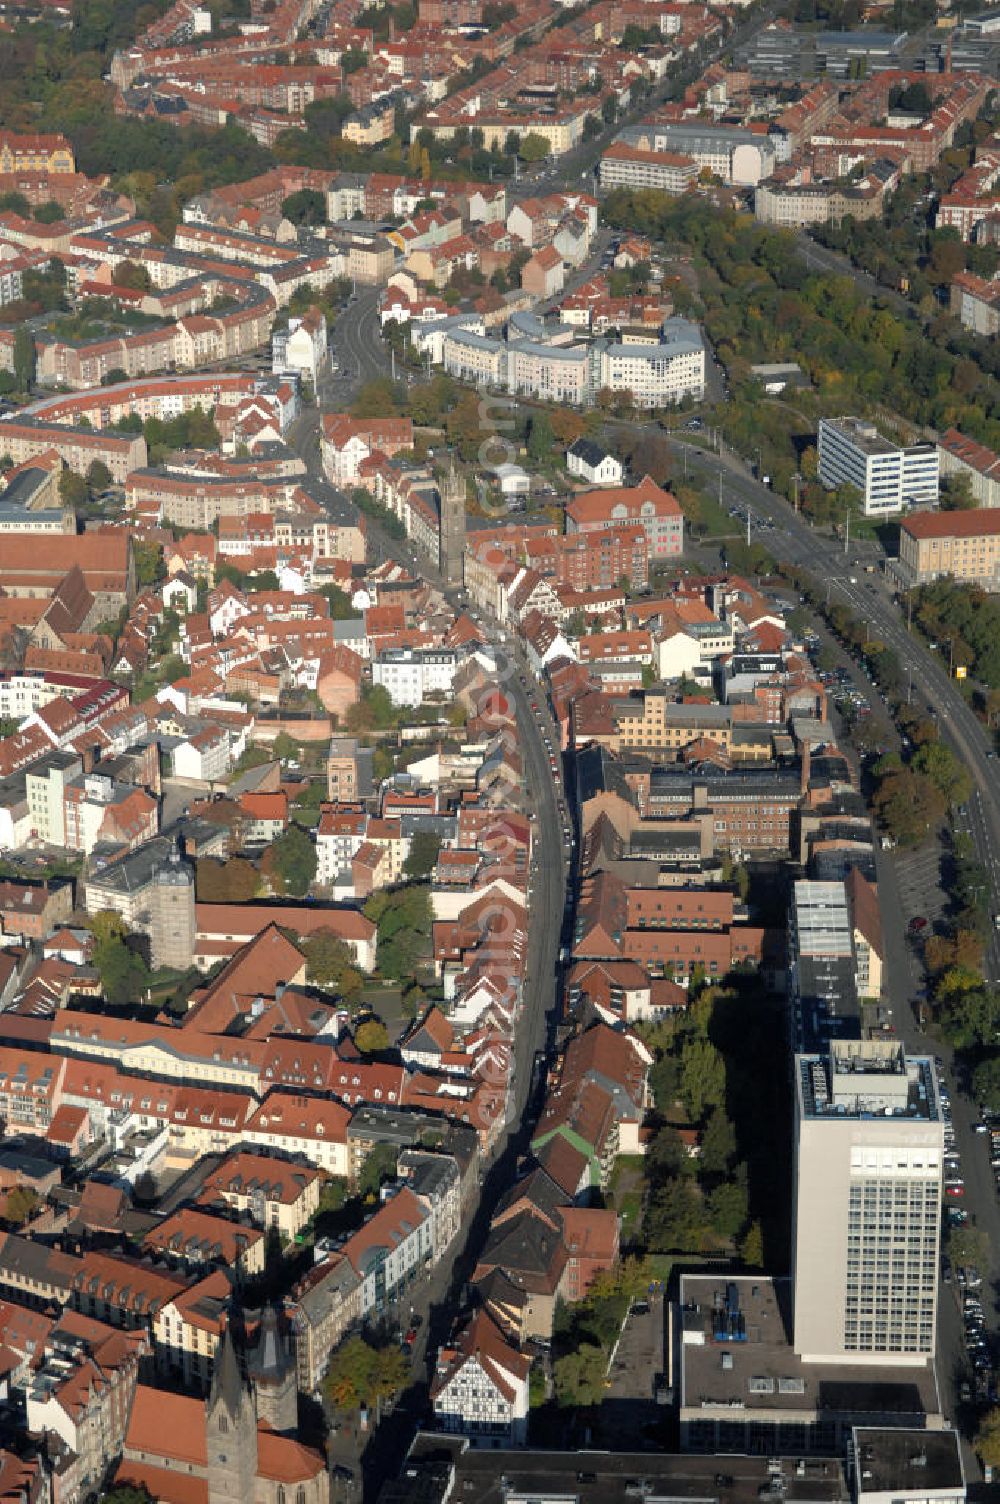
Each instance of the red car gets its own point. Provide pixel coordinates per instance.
(956, 1189)
(918, 924)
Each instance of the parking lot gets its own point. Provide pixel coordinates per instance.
(919, 876)
(640, 1355)
(977, 1385)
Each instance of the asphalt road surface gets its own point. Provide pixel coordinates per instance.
(795, 541)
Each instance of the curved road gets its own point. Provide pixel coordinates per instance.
(794, 541)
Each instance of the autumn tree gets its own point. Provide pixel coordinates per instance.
(752, 1247)
(21, 1204)
(371, 1037)
(988, 1438)
(233, 881)
(361, 1374)
(910, 805)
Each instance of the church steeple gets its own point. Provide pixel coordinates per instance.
(451, 523)
(230, 1429)
(271, 1368)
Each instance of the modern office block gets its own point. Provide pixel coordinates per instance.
(869, 1146)
(889, 478)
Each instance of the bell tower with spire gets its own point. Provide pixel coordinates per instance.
(451, 547)
(230, 1430)
(271, 1368)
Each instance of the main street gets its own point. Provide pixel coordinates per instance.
(793, 540)
(438, 1295)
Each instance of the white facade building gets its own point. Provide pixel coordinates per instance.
(889, 478)
(869, 1152)
(661, 374)
(411, 674)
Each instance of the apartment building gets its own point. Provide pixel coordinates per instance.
(25, 438)
(31, 911)
(869, 1149)
(624, 166)
(888, 477)
(556, 373)
(411, 675)
(822, 969)
(731, 153)
(47, 782)
(960, 455)
(473, 357)
(268, 1192)
(963, 544)
(975, 301)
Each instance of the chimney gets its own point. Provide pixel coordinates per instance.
(806, 767)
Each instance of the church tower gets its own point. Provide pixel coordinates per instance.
(451, 546)
(230, 1430)
(173, 929)
(271, 1369)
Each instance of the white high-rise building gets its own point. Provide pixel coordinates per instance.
(869, 1149)
(889, 478)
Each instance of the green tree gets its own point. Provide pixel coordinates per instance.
(362, 1374)
(306, 207)
(290, 862)
(986, 1083)
(330, 964)
(73, 492)
(938, 762)
(149, 566)
(376, 399)
(379, 1167)
(703, 1078)
(130, 274)
(403, 919)
(674, 1221)
(533, 148)
(910, 805)
(956, 494)
(578, 1378)
(286, 748)
(752, 1247)
(371, 1037)
(727, 1207)
(718, 1144)
(127, 1493)
(107, 925)
(541, 439)
(233, 881)
(99, 477)
(124, 975)
(341, 608)
(374, 711)
(422, 855)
